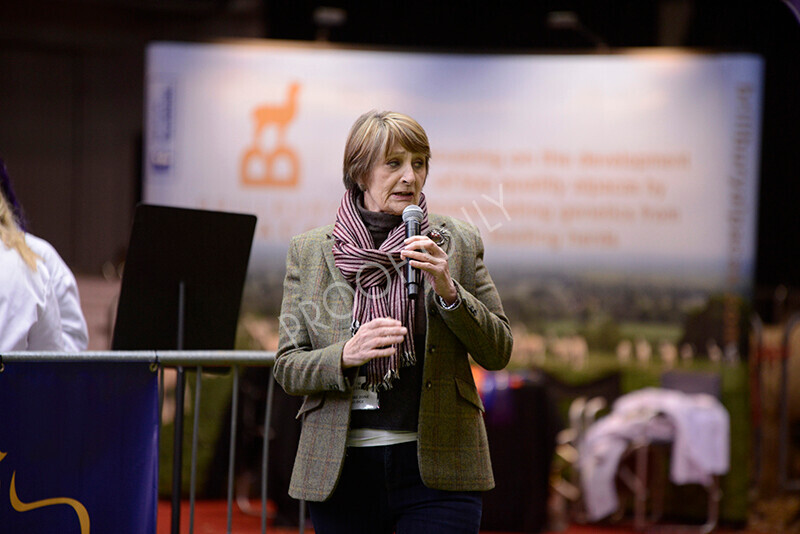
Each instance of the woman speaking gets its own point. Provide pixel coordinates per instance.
(393, 438)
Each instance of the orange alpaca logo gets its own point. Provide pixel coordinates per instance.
(276, 165)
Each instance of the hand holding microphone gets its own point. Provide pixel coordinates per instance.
(425, 255)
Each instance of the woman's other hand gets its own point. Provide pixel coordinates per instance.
(428, 257)
(375, 339)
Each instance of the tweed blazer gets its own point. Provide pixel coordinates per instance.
(315, 321)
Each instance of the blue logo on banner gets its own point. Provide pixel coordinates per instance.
(78, 448)
(161, 124)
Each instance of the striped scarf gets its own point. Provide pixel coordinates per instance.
(378, 278)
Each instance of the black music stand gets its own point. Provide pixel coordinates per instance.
(181, 290)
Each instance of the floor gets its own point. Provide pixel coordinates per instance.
(212, 517)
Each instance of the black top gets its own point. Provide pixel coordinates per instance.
(399, 406)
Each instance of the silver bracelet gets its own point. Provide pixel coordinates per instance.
(452, 306)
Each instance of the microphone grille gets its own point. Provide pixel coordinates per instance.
(412, 213)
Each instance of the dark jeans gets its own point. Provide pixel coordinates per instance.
(381, 492)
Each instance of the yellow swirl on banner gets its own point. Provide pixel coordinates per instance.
(19, 506)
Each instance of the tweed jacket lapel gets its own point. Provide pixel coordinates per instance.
(327, 249)
(441, 235)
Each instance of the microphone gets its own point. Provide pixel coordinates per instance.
(412, 217)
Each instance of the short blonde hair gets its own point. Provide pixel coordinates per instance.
(371, 138)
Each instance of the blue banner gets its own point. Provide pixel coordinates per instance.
(78, 448)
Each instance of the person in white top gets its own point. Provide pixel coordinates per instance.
(73, 323)
(29, 314)
(57, 274)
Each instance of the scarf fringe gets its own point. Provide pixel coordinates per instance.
(386, 383)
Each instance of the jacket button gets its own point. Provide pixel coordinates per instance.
(428, 384)
(433, 348)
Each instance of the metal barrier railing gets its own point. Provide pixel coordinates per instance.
(180, 359)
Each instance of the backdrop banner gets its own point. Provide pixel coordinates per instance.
(611, 190)
(78, 448)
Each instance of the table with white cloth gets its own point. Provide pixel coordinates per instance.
(697, 425)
